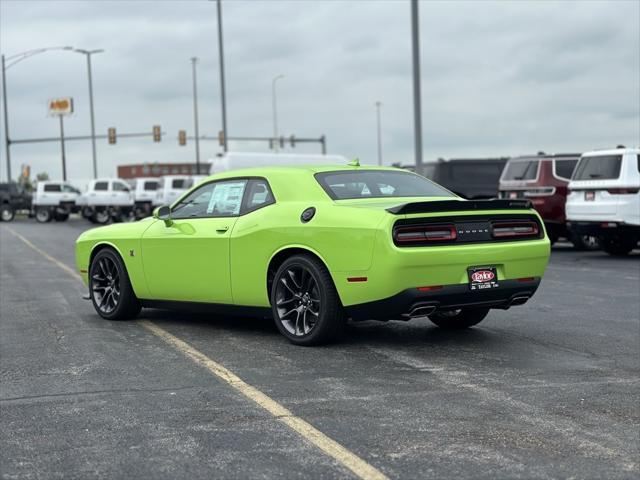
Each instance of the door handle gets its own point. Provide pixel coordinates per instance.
(222, 229)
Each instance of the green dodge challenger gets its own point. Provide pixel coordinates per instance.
(315, 246)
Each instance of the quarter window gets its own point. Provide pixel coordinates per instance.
(258, 195)
(565, 168)
(216, 199)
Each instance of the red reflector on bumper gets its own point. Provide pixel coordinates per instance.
(430, 289)
(356, 279)
(526, 279)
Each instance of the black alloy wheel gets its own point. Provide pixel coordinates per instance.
(305, 304)
(110, 288)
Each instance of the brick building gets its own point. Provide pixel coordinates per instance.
(159, 169)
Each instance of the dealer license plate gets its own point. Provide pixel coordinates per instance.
(482, 278)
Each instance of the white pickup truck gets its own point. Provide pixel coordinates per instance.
(107, 199)
(172, 187)
(54, 201)
(144, 191)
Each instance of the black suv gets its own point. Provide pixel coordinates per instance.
(13, 198)
(470, 178)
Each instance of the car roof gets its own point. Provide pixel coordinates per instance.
(613, 151)
(312, 169)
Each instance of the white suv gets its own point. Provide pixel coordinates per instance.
(54, 200)
(604, 198)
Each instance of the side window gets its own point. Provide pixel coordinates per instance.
(217, 199)
(101, 186)
(52, 187)
(151, 186)
(120, 187)
(69, 189)
(258, 195)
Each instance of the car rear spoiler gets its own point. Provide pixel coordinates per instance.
(459, 206)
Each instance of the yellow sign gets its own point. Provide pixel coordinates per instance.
(61, 106)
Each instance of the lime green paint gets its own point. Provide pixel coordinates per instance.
(225, 260)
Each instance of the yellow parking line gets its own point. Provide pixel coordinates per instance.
(314, 436)
(332, 448)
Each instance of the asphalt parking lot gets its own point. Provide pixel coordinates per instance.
(546, 390)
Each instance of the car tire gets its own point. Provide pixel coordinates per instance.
(616, 246)
(584, 242)
(61, 217)
(43, 215)
(305, 304)
(110, 288)
(101, 217)
(459, 319)
(7, 212)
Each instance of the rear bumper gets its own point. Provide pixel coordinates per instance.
(599, 229)
(415, 303)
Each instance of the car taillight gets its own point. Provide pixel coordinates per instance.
(623, 191)
(540, 192)
(421, 234)
(514, 229)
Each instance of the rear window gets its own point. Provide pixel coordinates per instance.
(378, 184)
(565, 168)
(521, 170)
(598, 167)
(151, 185)
(52, 188)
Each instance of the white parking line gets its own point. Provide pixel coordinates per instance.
(330, 447)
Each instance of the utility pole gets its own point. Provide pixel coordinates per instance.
(379, 128)
(417, 100)
(6, 120)
(88, 54)
(194, 61)
(64, 159)
(275, 111)
(223, 95)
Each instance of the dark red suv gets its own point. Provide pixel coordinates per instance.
(543, 180)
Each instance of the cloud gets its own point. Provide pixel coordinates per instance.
(498, 78)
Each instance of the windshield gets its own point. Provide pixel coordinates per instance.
(521, 170)
(378, 184)
(598, 167)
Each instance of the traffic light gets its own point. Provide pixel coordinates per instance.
(292, 141)
(221, 138)
(182, 137)
(111, 135)
(157, 133)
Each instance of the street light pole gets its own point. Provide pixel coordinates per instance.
(379, 128)
(88, 54)
(64, 158)
(223, 95)
(13, 59)
(194, 61)
(6, 121)
(417, 101)
(275, 111)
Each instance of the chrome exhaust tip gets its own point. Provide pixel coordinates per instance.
(519, 300)
(421, 311)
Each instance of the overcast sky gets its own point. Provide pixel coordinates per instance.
(498, 78)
